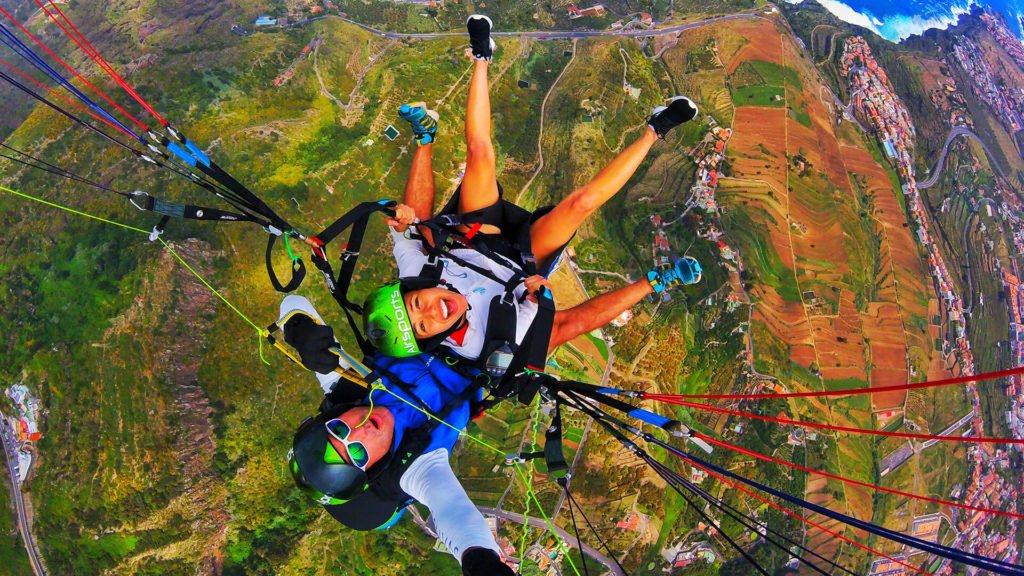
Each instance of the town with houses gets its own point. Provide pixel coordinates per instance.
(21, 429)
(1005, 100)
(875, 101)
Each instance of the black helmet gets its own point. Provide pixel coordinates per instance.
(318, 469)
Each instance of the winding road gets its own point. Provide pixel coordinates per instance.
(953, 134)
(35, 558)
(569, 539)
(544, 35)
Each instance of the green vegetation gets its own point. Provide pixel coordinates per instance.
(759, 83)
(13, 556)
(761, 258)
(758, 96)
(164, 434)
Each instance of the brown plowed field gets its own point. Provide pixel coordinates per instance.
(818, 540)
(839, 342)
(758, 130)
(900, 285)
(785, 319)
(764, 44)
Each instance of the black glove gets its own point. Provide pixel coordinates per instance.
(478, 561)
(312, 341)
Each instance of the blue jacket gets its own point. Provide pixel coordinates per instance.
(435, 384)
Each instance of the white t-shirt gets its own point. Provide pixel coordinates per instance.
(478, 290)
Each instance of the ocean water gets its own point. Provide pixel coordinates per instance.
(896, 20)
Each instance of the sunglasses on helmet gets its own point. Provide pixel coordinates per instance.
(357, 452)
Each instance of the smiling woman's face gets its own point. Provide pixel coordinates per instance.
(434, 310)
(376, 434)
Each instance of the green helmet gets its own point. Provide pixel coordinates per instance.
(319, 470)
(386, 322)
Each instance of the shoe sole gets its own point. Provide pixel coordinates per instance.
(658, 109)
(430, 113)
(490, 28)
(490, 24)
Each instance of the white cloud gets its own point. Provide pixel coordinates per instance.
(895, 28)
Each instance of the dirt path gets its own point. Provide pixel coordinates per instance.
(540, 134)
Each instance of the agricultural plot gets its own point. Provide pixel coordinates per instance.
(760, 83)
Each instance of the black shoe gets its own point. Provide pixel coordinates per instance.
(480, 41)
(680, 109)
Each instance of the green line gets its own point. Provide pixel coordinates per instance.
(72, 210)
(529, 490)
(519, 470)
(141, 231)
(528, 482)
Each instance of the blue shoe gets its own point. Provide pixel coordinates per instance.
(684, 272)
(422, 121)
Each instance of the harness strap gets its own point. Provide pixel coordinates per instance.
(357, 219)
(298, 269)
(553, 455)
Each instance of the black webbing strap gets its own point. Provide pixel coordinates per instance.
(525, 374)
(298, 269)
(553, 455)
(356, 219)
(144, 201)
(594, 393)
(361, 211)
(532, 357)
(251, 200)
(446, 238)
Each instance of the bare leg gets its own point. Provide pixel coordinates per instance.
(419, 189)
(556, 228)
(480, 182)
(596, 312)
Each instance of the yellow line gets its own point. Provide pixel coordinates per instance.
(72, 210)
(259, 330)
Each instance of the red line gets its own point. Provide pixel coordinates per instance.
(72, 70)
(852, 481)
(982, 440)
(803, 519)
(64, 98)
(850, 392)
(97, 57)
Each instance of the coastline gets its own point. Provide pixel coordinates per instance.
(898, 27)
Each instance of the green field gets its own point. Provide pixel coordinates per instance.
(759, 83)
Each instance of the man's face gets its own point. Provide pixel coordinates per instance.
(376, 433)
(434, 310)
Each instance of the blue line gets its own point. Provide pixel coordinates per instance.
(182, 153)
(35, 60)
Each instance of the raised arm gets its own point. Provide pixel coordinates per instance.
(459, 524)
(596, 312)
